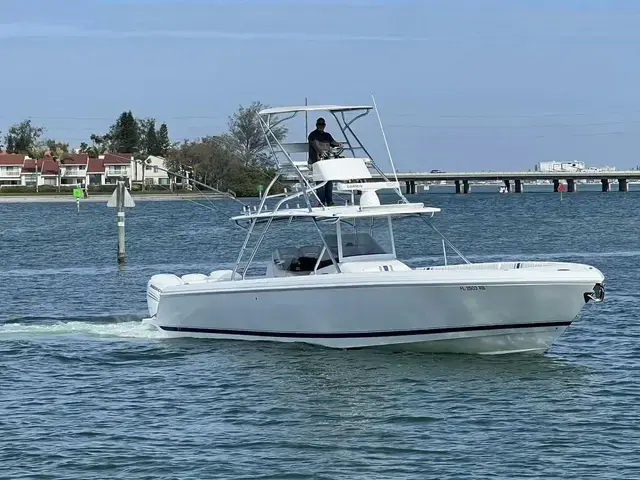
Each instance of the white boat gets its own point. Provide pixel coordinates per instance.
(346, 288)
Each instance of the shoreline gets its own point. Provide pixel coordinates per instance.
(60, 198)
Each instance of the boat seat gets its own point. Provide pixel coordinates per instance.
(194, 278)
(223, 275)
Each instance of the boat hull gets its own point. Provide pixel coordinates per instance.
(409, 312)
(532, 338)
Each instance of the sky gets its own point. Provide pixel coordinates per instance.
(461, 85)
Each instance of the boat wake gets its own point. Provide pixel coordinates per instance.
(99, 327)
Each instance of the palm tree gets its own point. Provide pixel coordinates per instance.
(37, 153)
(61, 158)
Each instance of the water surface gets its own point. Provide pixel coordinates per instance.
(88, 393)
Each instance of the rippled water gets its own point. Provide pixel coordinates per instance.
(86, 392)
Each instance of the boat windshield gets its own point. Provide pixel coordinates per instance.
(356, 244)
(358, 239)
(363, 237)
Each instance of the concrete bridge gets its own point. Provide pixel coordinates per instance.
(462, 179)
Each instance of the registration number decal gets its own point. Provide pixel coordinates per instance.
(466, 288)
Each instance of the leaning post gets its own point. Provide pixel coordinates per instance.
(119, 200)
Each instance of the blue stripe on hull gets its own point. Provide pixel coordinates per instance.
(392, 333)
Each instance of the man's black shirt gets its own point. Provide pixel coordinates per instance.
(325, 141)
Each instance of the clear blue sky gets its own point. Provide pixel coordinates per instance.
(461, 85)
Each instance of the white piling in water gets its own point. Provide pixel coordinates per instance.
(120, 206)
(120, 199)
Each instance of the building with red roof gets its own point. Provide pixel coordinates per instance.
(79, 169)
(73, 169)
(118, 166)
(10, 168)
(96, 171)
(43, 171)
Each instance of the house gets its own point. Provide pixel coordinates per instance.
(73, 169)
(96, 171)
(43, 171)
(79, 169)
(117, 166)
(10, 168)
(150, 173)
(49, 171)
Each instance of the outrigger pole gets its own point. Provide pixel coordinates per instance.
(192, 180)
(245, 207)
(306, 120)
(384, 137)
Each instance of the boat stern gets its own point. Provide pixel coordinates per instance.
(155, 286)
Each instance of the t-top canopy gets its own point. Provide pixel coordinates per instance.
(313, 108)
(342, 211)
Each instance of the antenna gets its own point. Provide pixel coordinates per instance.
(395, 174)
(306, 120)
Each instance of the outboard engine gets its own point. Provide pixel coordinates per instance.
(155, 285)
(597, 295)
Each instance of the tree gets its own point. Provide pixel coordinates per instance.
(124, 135)
(38, 150)
(23, 138)
(214, 161)
(164, 144)
(248, 138)
(61, 157)
(84, 148)
(143, 125)
(152, 146)
(147, 142)
(210, 160)
(98, 146)
(54, 147)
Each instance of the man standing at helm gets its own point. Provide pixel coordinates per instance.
(320, 143)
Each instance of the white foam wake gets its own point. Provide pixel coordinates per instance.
(133, 329)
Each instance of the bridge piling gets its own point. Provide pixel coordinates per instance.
(518, 183)
(622, 185)
(556, 185)
(605, 184)
(410, 187)
(571, 185)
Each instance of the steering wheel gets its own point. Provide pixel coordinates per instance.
(335, 152)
